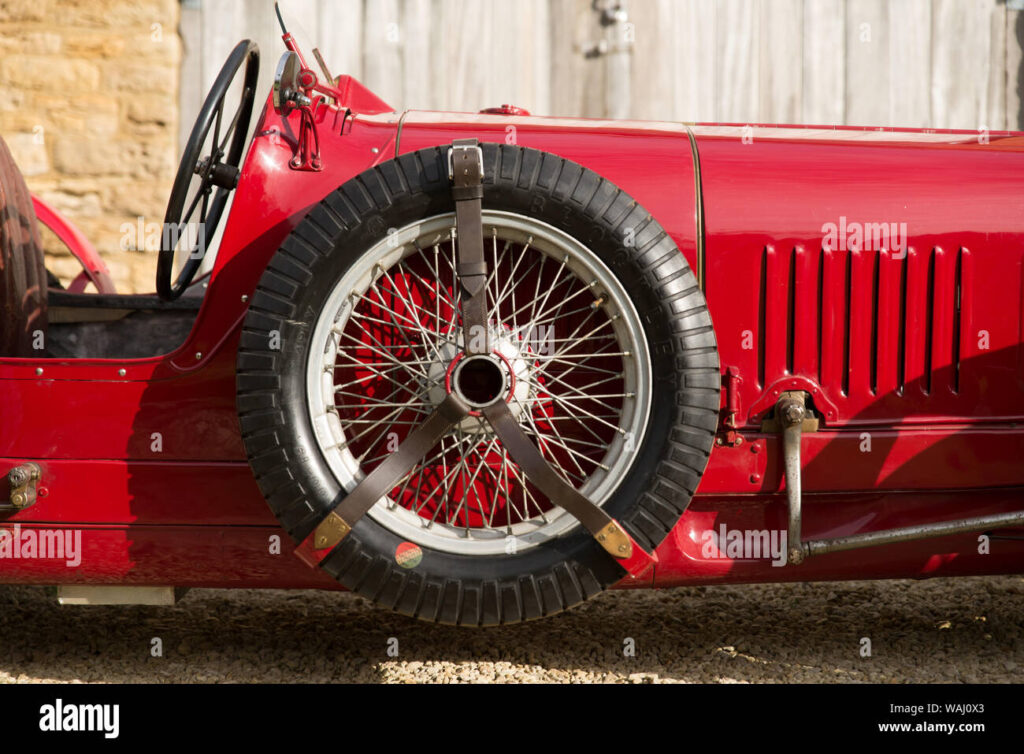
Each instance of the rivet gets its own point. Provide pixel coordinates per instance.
(623, 548)
(755, 478)
(244, 298)
(121, 372)
(39, 371)
(755, 448)
(199, 355)
(375, 150)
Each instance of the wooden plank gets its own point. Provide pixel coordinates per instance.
(577, 82)
(419, 81)
(462, 41)
(509, 63)
(539, 52)
(867, 63)
(382, 47)
(342, 42)
(696, 25)
(1013, 100)
(910, 40)
(781, 61)
(190, 92)
(961, 63)
(220, 26)
(618, 66)
(738, 60)
(655, 71)
(997, 114)
(824, 76)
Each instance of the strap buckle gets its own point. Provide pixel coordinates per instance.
(461, 146)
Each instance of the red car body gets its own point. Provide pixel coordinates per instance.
(915, 363)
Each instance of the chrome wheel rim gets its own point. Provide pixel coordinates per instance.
(569, 351)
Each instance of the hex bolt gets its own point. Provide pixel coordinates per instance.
(791, 412)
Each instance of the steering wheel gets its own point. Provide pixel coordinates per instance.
(215, 166)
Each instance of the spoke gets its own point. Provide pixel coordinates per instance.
(583, 338)
(510, 287)
(338, 388)
(231, 126)
(216, 126)
(383, 353)
(392, 314)
(424, 335)
(570, 407)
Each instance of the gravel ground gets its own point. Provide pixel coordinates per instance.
(967, 630)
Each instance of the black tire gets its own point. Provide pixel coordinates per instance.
(22, 265)
(457, 588)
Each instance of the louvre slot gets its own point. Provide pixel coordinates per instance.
(806, 322)
(848, 298)
(875, 324)
(835, 316)
(763, 322)
(791, 314)
(943, 318)
(860, 321)
(889, 314)
(958, 319)
(777, 312)
(865, 323)
(918, 318)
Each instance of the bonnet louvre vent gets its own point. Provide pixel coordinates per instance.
(865, 322)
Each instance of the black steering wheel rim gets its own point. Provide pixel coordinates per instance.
(218, 170)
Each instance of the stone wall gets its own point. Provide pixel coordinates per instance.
(89, 108)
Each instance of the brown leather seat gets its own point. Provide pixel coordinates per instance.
(22, 267)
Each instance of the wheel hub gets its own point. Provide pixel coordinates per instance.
(481, 380)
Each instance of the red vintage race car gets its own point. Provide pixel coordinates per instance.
(484, 366)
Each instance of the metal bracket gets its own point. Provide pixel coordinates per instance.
(23, 480)
(731, 436)
(791, 416)
(792, 419)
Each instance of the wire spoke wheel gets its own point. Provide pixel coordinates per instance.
(598, 341)
(568, 356)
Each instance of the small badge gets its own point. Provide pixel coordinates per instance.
(408, 555)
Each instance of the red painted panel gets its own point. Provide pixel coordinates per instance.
(144, 492)
(854, 199)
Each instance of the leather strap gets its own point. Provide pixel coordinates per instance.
(606, 530)
(379, 482)
(467, 173)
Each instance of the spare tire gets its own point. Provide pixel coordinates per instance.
(23, 277)
(603, 347)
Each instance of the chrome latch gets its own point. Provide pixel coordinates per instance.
(23, 480)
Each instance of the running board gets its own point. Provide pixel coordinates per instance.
(82, 594)
(791, 419)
